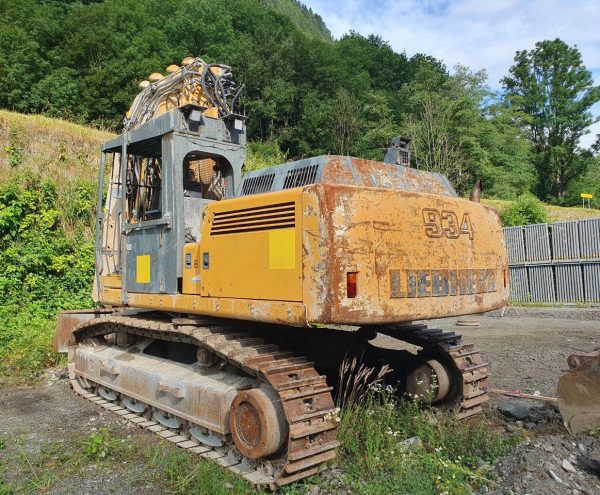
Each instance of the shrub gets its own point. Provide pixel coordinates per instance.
(262, 154)
(42, 271)
(16, 145)
(524, 211)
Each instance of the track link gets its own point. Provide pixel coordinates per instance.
(470, 369)
(304, 394)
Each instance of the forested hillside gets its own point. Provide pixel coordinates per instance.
(303, 17)
(306, 94)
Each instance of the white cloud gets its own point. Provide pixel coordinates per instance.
(482, 34)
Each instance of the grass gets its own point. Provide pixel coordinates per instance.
(452, 456)
(54, 148)
(25, 347)
(556, 213)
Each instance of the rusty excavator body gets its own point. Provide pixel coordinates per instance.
(228, 301)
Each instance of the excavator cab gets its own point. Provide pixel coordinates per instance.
(160, 177)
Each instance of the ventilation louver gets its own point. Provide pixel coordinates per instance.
(278, 216)
(300, 176)
(257, 185)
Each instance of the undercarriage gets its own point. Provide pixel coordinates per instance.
(231, 391)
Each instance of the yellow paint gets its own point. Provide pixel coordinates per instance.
(142, 269)
(282, 249)
(285, 312)
(112, 281)
(212, 112)
(243, 264)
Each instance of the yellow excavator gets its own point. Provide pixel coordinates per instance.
(228, 301)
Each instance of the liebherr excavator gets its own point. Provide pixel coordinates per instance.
(219, 290)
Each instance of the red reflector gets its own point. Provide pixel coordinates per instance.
(351, 284)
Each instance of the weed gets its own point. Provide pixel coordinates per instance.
(446, 456)
(16, 145)
(594, 432)
(4, 489)
(98, 445)
(355, 379)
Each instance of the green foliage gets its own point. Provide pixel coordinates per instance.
(98, 444)
(15, 147)
(524, 211)
(263, 154)
(42, 270)
(5, 490)
(554, 92)
(302, 16)
(456, 131)
(447, 458)
(306, 92)
(589, 182)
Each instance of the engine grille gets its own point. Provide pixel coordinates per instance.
(277, 216)
(257, 185)
(298, 177)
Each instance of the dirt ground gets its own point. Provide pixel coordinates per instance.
(527, 352)
(32, 419)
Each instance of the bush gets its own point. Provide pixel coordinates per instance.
(262, 154)
(524, 211)
(42, 270)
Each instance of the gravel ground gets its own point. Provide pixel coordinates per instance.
(527, 352)
(32, 418)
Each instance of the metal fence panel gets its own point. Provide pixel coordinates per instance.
(565, 241)
(591, 276)
(589, 233)
(515, 244)
(519, 284)
(557, 262)
(537, 242)
(569, 283)
(541, 284)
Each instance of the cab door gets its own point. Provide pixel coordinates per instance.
(149, 241)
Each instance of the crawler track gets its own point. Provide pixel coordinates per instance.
(304, 395)
(470, 371)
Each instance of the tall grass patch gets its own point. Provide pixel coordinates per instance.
(391, 446)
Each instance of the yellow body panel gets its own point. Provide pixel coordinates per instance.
(413, 256)
(284, 312)
(253, 245)
(112, 281)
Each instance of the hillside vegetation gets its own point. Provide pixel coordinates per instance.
(305, 94)
(302, 17)
(47, 191)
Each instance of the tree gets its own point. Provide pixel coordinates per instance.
(554, 91)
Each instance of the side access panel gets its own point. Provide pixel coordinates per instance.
(251, 248)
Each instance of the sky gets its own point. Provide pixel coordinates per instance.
(481, 34)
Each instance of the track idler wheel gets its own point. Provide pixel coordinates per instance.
(257, 423)
(429, 382)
